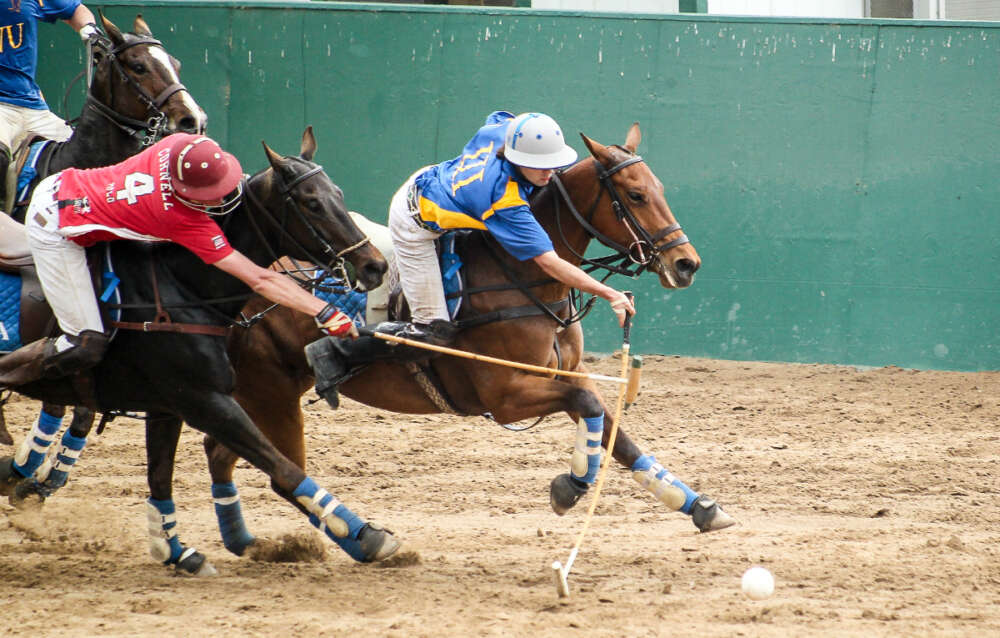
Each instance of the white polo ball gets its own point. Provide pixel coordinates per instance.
(758, 583)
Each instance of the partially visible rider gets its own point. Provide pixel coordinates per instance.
(169, 192)
(23, 110)
(486, 187)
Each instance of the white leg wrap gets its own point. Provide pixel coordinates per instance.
(670, 495)
(582, 452)
(159, 537)
(327, 519)
(29, 444)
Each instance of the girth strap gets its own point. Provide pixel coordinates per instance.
(162, 321)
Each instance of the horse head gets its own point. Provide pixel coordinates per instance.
(310, 219)
(631, 213)
(136, 80)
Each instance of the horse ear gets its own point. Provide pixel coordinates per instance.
(308, 144)
(276, 161)
(598, 150)
(113, 32)
(139, 27)
(633, 138)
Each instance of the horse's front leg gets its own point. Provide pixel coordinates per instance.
(163, 431)
(705, 513)
(35, 473)
(219, 415)
(269, 393)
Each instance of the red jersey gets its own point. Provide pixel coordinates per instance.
(134, 200)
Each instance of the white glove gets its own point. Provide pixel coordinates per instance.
(89, 31)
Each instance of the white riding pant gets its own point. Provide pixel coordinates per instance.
(416, 258)
(17, 122)
(61, 264)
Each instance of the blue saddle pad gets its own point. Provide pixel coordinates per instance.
(351, 302)
(10, 312)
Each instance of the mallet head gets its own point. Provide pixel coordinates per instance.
(562, 587)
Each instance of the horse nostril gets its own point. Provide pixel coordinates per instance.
(188, 124)
(373, 273)
(686, 267)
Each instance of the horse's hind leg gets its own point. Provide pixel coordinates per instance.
(220, 416)
(705, 513)
(163, 431)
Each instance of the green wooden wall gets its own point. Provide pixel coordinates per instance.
(840, 179)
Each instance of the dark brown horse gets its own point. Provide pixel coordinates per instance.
(181, 371)
(272, 374)
(135, 99)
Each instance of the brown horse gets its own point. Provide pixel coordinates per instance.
(272, 374)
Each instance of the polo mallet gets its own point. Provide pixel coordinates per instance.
(634, 375)
(465, 354)
(559, 572)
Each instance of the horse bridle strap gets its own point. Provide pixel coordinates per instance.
(641, 237)
(153, 128)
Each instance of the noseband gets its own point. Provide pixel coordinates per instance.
(336, 265)
(148, 131)
(644, 247)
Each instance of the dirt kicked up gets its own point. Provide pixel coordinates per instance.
(873, 496)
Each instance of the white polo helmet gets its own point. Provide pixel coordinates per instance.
(534, 140)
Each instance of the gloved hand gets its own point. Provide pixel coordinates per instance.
(89, 32)
(334, 323)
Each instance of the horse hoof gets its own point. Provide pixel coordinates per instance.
(708, 515)
(29, 494)
(377, 543)
(564, 492)
(9, 477)
(194, 563)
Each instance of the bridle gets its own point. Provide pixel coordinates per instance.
(643, 250)
(147, 131)
(335, 261)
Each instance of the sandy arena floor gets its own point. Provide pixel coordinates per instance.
(872, 495)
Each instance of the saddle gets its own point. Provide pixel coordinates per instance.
(24, 300)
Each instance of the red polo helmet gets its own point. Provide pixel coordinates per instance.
(200, 170)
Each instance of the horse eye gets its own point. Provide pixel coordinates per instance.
(636, 197)
(139, 67)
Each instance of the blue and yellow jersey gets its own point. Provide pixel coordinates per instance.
(19, 47)
(477, 189)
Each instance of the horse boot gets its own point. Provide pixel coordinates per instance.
(334, 361)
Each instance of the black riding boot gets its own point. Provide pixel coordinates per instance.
(334, 361)
(4, 165)
(26, 364)
(40, 360)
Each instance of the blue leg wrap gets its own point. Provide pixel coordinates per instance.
(164, 544)
(33, 449)
(66, 458)
(587, 452)
(331, 517)
(664, 485)
(235, 535)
